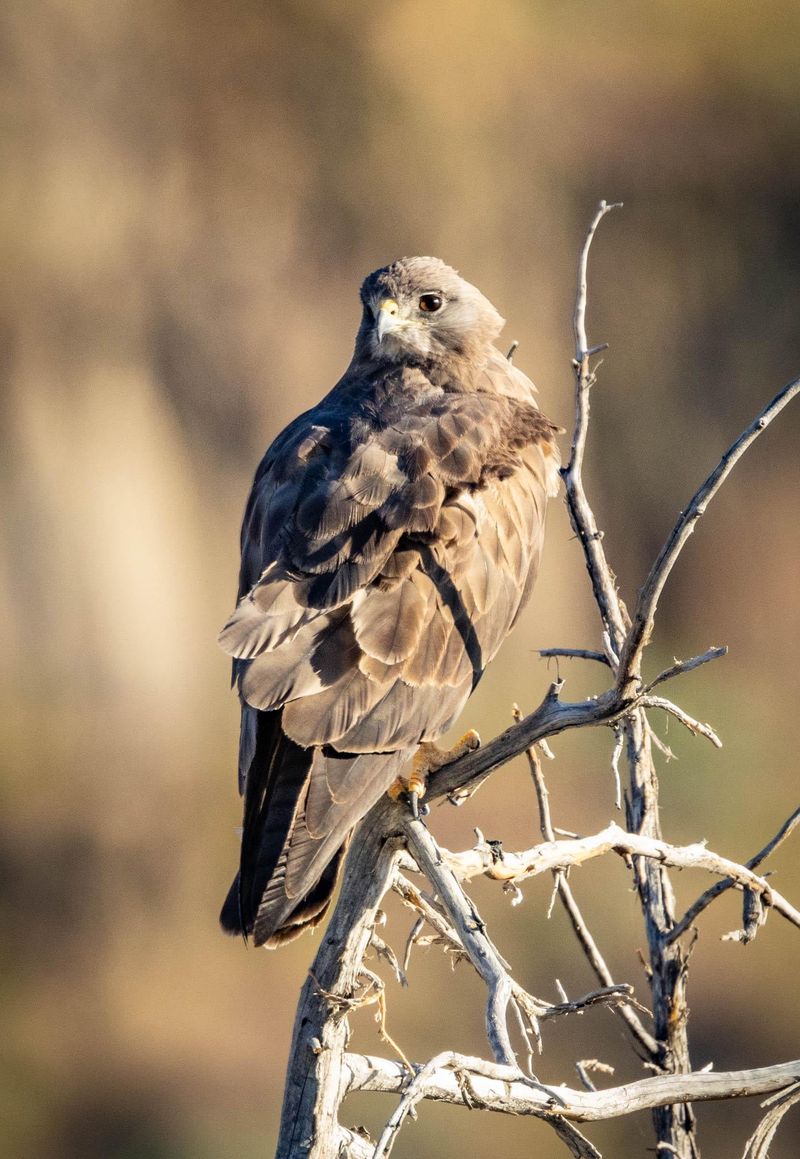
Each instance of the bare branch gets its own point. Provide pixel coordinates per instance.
(569, 1134)
(413, 1093)
(613, 995)
(754, 915)
(581, 515)
(471, 932)
(446, 1063)
(528, 1008)
(352, 1145)
(644, 613)
(674, 1130)
(642, 1037)
(574, 654)
(540, 788)
(579, 320)
(314, 1081)
(385, 951)
(759, 1142)
(696, 727)
(705, 899)
(681, 666)
(507, 1090)
(584, 1065)
(560, 854)
(616, 753)
(320, 1070)
(616, 995)
(468, 934)
(554, 716)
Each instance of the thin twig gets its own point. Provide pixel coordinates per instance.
(705, 899)
(529, 1009)
(645, 610)
(616, 753)
(579, 320)
(661, 745)
(411, 941)
(526, 1008)
(681, 666)
(642, 1037)
(584, 1065)
(611, 996)
(581, 515)
(696, 727)
(759, 1142)
(575, 654)
(385, 951)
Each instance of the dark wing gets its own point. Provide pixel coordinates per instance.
(386, 551)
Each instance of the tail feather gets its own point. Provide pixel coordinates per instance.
(288, 870)
(312, 909)
(273, 770)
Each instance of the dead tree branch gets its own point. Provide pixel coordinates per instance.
(555, 855)
(681, 666)
(471, 932)
(504, 1089)
(759, 1142)
(645, 611)
(642, 1038)
(705, 899)
(321, 1072)
(316, 1082)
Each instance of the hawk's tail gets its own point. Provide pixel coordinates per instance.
(300, 807)
(309, 913)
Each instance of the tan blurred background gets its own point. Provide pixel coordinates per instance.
(190, 196)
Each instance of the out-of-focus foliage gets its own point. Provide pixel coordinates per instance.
(191, 193)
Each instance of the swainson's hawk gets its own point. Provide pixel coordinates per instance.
(392, 535)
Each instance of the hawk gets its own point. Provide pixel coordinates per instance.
(391, 538)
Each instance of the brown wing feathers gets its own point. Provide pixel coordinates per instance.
(388, 542)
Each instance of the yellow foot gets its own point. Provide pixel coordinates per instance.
(428, 759)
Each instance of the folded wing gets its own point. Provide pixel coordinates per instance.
(385, 557)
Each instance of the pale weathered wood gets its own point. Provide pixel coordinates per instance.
(316, 1080)
(565, 852)
(503, 1089)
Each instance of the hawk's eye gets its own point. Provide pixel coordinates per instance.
(430, 303)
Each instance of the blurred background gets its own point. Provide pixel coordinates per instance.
(191, 194)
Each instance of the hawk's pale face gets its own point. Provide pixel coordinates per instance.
(419, 309)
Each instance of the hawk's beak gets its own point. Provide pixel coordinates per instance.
(388, 317)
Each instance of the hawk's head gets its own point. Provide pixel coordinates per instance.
(419, 309)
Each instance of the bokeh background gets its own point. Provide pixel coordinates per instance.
(190, 195)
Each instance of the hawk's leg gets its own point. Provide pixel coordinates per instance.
(429, 759)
